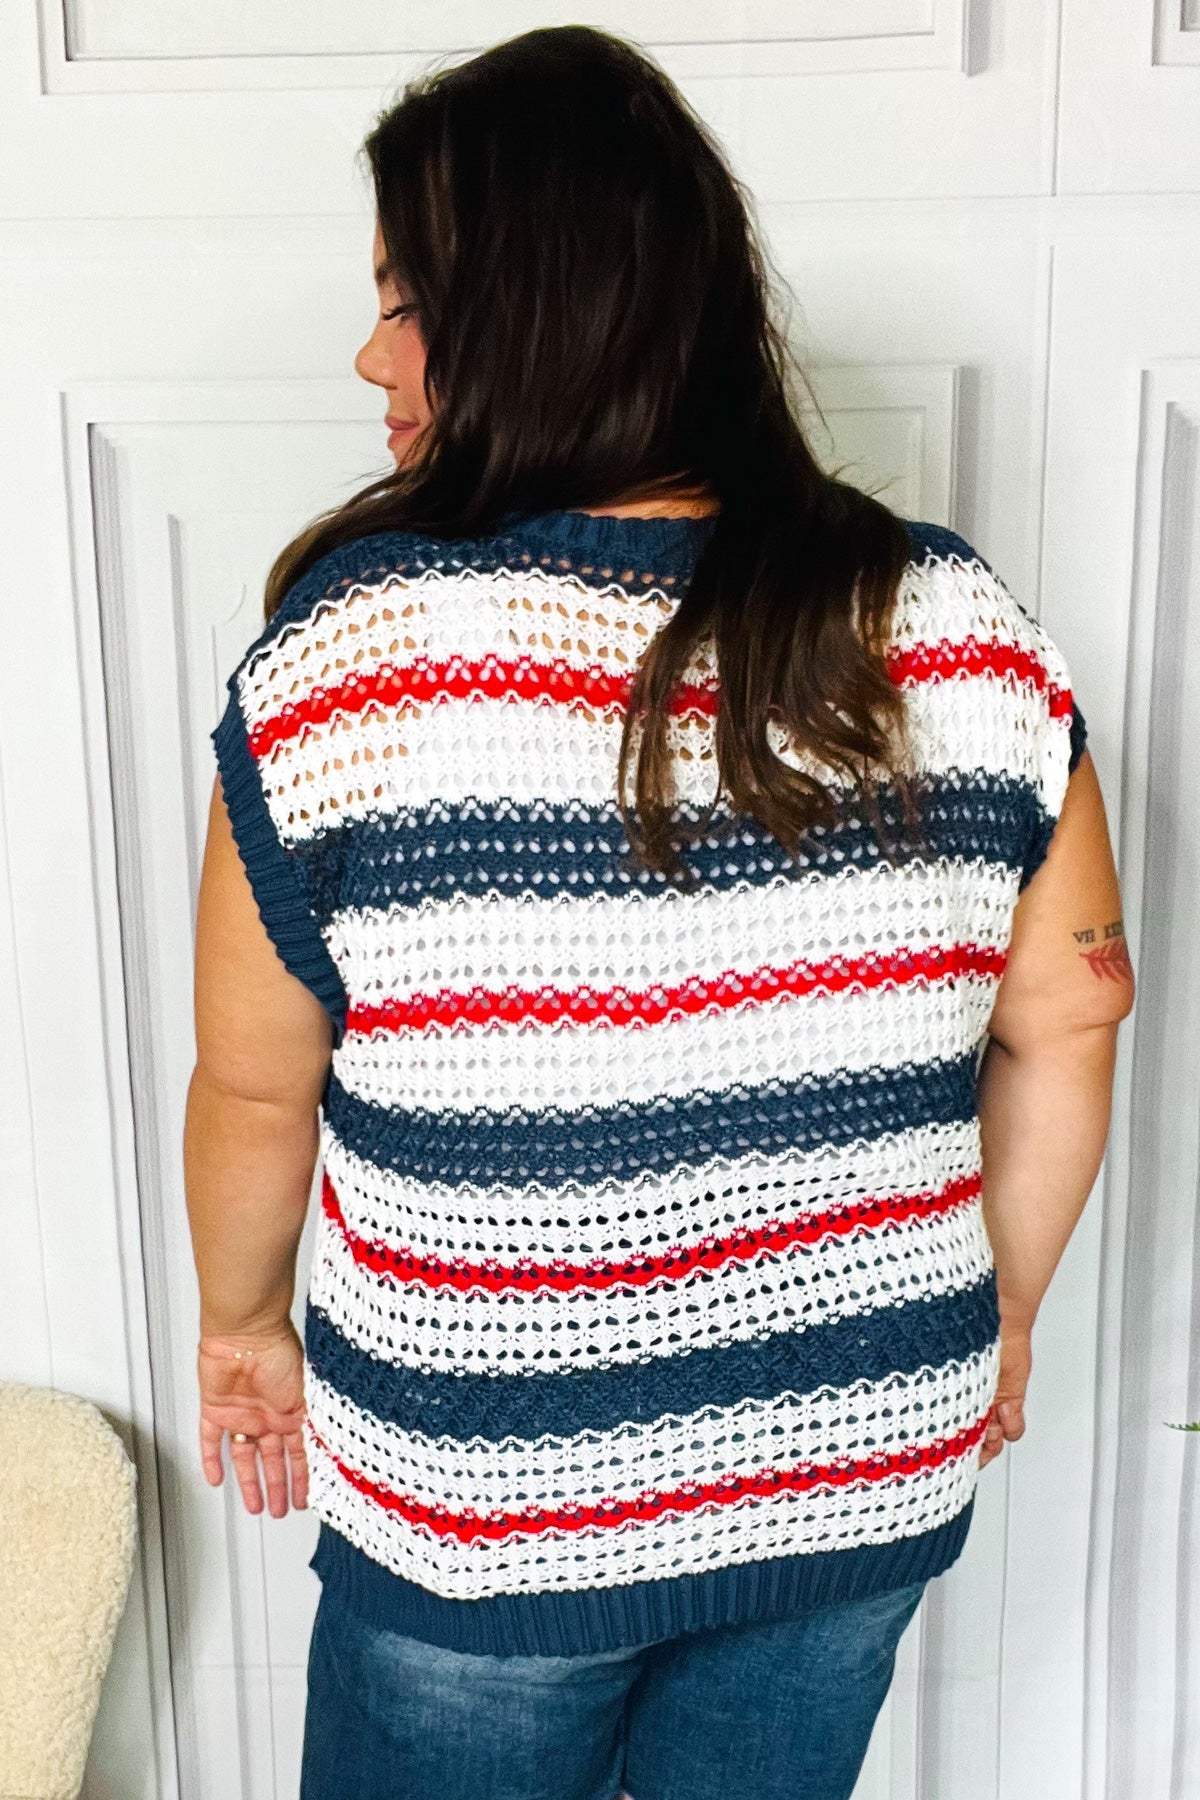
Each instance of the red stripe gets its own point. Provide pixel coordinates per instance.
(973, 656)
(774, 1238)
(422, 682)
(944, 661)
(651, 1006)
(470, 1527)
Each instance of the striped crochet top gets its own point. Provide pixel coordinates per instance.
(650, 1288)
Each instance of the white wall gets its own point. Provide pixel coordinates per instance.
(990, 212)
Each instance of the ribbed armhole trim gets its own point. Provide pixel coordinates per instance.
(276, 880)
(1039, 847)
(1078, 735)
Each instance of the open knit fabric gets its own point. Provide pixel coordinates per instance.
(651, 1289)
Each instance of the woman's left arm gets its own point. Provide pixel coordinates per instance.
(263, 1043)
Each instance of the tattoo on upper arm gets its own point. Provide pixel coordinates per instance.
(1109, 959)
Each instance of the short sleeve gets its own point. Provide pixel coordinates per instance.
(276, 874)
(1027, 733)
(260, 747)
(1057, 732)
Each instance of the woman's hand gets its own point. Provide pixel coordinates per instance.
(1006, 1422)
(254, 1382)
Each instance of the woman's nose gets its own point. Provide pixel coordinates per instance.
(372, 362)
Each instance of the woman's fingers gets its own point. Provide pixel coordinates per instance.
(993, 1442)
(282, 1458)
(274, 1468)
(1006, 1420)
(210, 1451)
(277, 1452)
(294, 1441)
(244, 1458)
(1006, 1425)
(1011, 1414)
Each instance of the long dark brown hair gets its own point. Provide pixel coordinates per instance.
(597, 317)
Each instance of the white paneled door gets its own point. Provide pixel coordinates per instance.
(989, 211)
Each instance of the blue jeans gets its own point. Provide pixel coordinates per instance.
(762, 1711)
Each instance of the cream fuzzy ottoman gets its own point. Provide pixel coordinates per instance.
(68, 1519)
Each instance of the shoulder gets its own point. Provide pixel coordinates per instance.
(958, 622)
(938, 544)
(363, 563)
(339, 591)
(950, 591)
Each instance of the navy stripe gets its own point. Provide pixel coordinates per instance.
(544, 849)
(581, 1621)
(893, 1339)
(629, 1140)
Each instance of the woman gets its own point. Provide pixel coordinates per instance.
(684, 889)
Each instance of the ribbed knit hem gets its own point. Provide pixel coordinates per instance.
(277, 880)
(592, 1619)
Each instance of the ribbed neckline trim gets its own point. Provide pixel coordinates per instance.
(612, 536)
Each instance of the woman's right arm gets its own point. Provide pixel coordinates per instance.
(1045, 1081)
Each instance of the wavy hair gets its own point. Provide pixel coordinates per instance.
(596, 311)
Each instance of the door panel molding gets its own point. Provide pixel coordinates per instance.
(152, 46)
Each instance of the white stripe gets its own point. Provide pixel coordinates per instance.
(374, 765)
(469, 614)
(851, 1424)
(534, 1067)
(616, 1219)
(475, 614)
(944, 601)
(641, 941)
(478, 1332)
(787, 1524)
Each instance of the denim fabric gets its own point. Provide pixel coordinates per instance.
(771, 1710)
